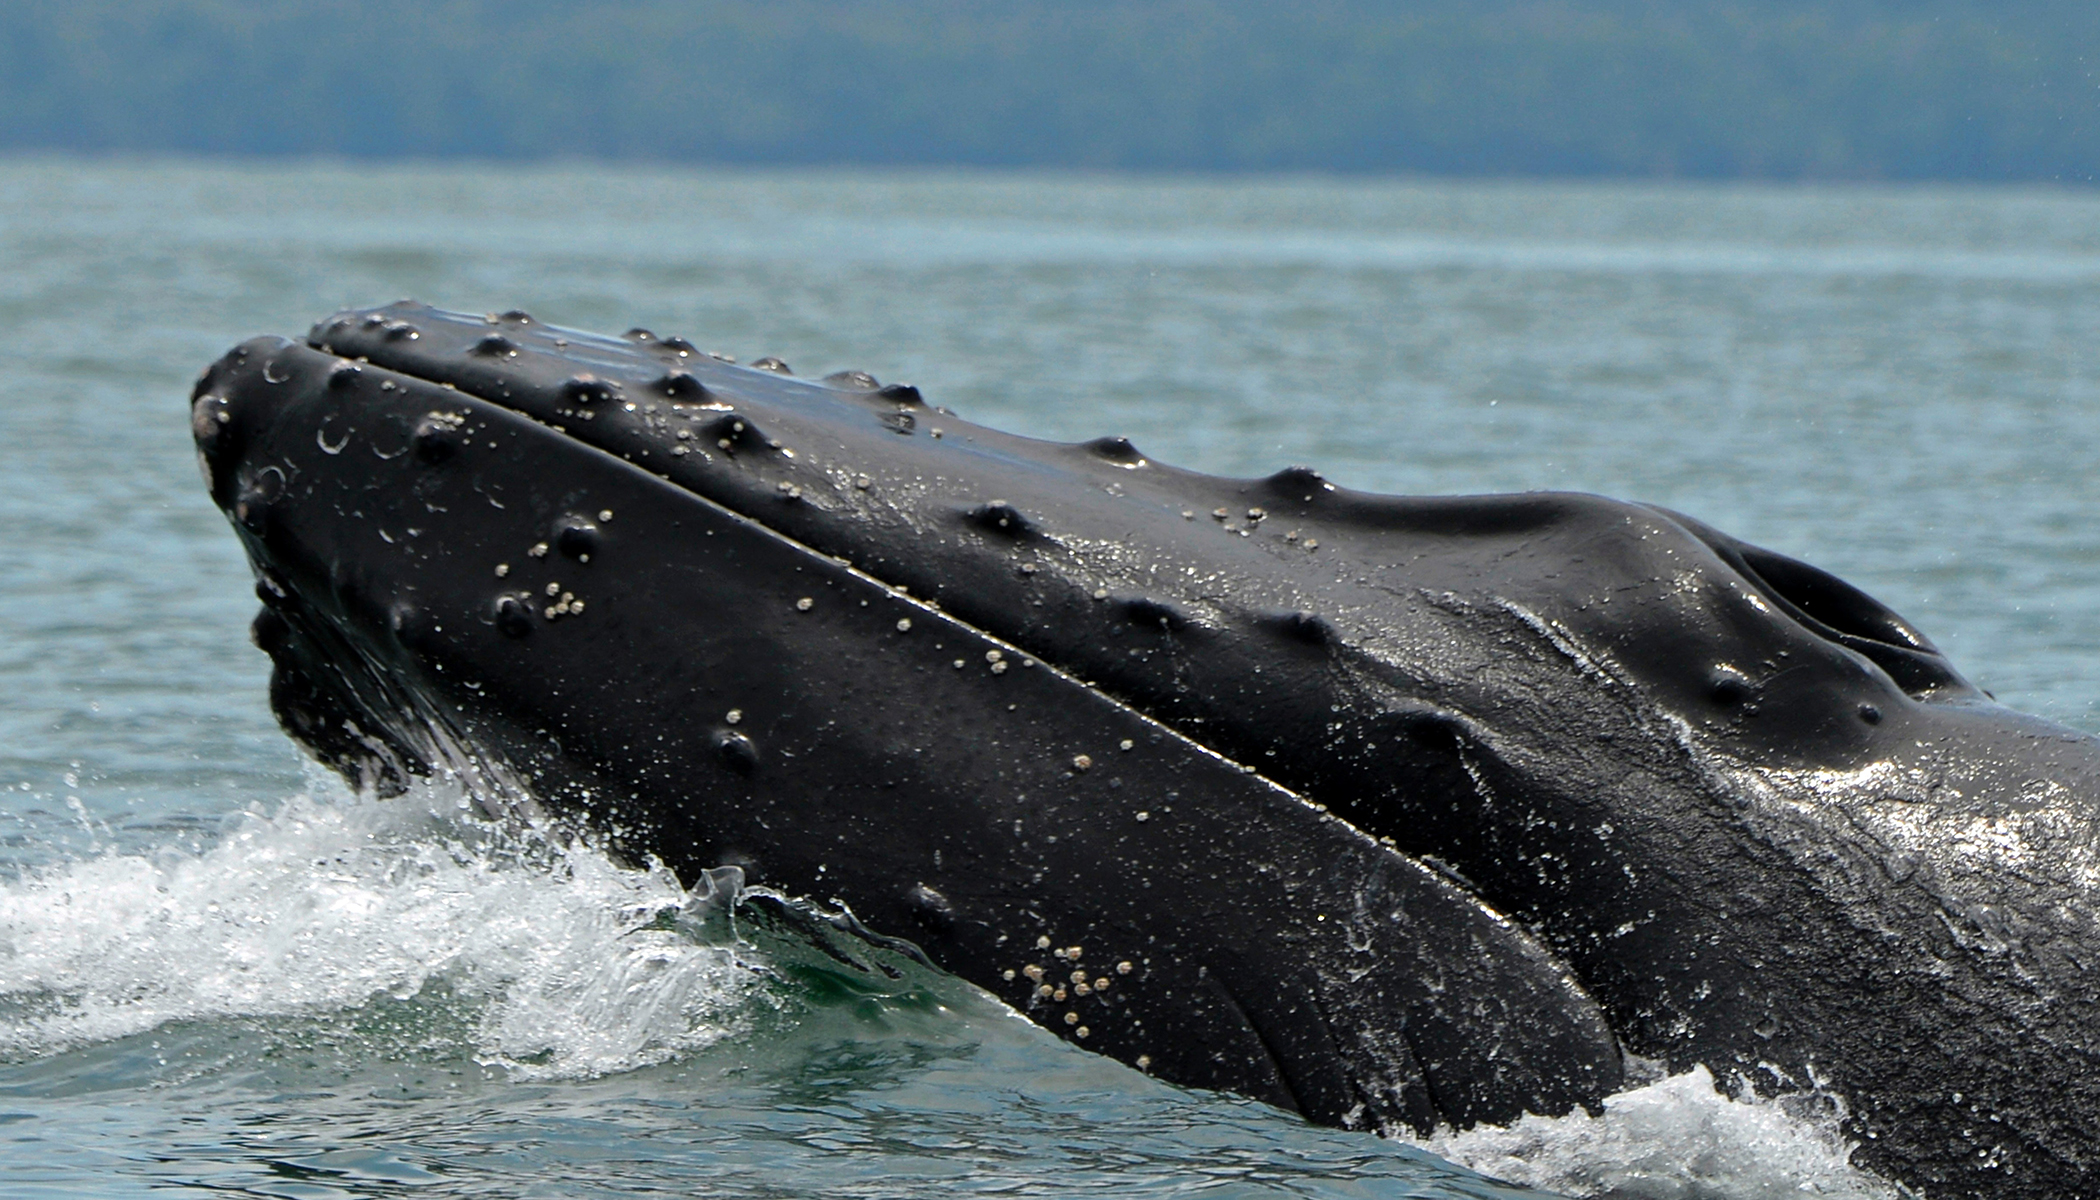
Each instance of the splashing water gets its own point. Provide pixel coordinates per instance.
(335, 900)
(1676, 1139)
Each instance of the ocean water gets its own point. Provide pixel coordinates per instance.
(222, 973)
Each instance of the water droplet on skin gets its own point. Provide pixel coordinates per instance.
(805, 604)
(494, 345)
(734, 716)
(276, 371)
(1081, 762)
(903, 624)
(1870, 714)
(1042, 943)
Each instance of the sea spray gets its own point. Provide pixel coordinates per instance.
(334, 901)
(1676, 1139)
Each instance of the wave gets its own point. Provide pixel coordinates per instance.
(336, 900)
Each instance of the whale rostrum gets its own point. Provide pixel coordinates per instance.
(1394, 811)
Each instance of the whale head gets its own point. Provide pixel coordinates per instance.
(1395, 811)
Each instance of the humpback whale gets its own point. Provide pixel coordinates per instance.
(1393, 811)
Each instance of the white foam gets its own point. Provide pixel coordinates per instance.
(335, 900)
(1678, 1139)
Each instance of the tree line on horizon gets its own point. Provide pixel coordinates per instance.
(1768, 89)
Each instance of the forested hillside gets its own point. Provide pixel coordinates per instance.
(1951, 89)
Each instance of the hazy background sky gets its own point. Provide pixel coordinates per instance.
(1762, 89)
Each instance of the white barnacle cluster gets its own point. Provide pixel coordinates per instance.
(563, 603)
(1068, 981)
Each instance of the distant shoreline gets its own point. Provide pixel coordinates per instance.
(932, 173)
(1772, 90)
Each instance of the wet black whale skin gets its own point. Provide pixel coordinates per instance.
(1429, 805)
